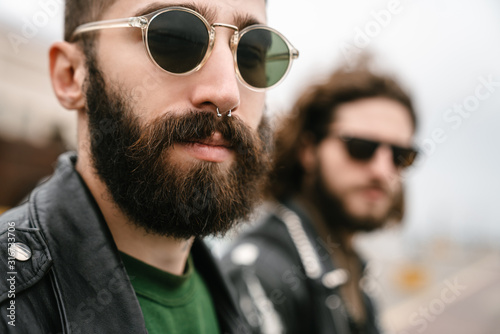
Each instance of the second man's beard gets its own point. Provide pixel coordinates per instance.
(336, 214)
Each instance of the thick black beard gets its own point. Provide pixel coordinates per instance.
(157, 195)
(336, 216)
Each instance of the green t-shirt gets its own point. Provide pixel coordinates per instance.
(172, 304)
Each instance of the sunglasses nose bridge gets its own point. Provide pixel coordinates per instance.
(234, 37)
(233, 42)
(399, 159)
(382, 161)
(229, 26)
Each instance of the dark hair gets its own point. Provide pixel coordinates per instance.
(78, 12)
(313, 113)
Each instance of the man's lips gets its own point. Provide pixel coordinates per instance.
(213, 149)
(371, 192)
(215, 140)
(374, 193)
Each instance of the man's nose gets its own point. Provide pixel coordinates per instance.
(381, 165)
(216, 83)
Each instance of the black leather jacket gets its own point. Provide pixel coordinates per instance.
(74, 280)
(285, 279)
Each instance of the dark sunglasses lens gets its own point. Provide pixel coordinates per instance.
(263, 58)
(177, 40)
(403, 157)
(360, 149)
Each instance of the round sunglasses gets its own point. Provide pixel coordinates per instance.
(179, 40)
(363, 150)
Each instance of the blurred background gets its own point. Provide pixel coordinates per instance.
(447, 53)
(437, 273)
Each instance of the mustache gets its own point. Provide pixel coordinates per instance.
(192, 126)
(375, 184)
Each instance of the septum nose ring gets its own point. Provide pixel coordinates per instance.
(219, 114)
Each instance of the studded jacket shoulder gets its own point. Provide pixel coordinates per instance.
(285, 280)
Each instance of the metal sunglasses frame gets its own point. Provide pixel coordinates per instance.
(143, 22)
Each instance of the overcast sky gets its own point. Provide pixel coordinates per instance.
(447, 52)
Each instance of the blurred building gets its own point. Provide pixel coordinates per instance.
(437, 287)
(34, 128)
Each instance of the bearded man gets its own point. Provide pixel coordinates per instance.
(172, 147)
(337, 171)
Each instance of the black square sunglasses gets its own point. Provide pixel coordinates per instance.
(180, 40)
(363, 150)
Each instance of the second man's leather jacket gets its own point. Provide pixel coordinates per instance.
(285, 279)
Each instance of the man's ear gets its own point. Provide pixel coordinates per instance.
(67, 72)
(307, 154)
